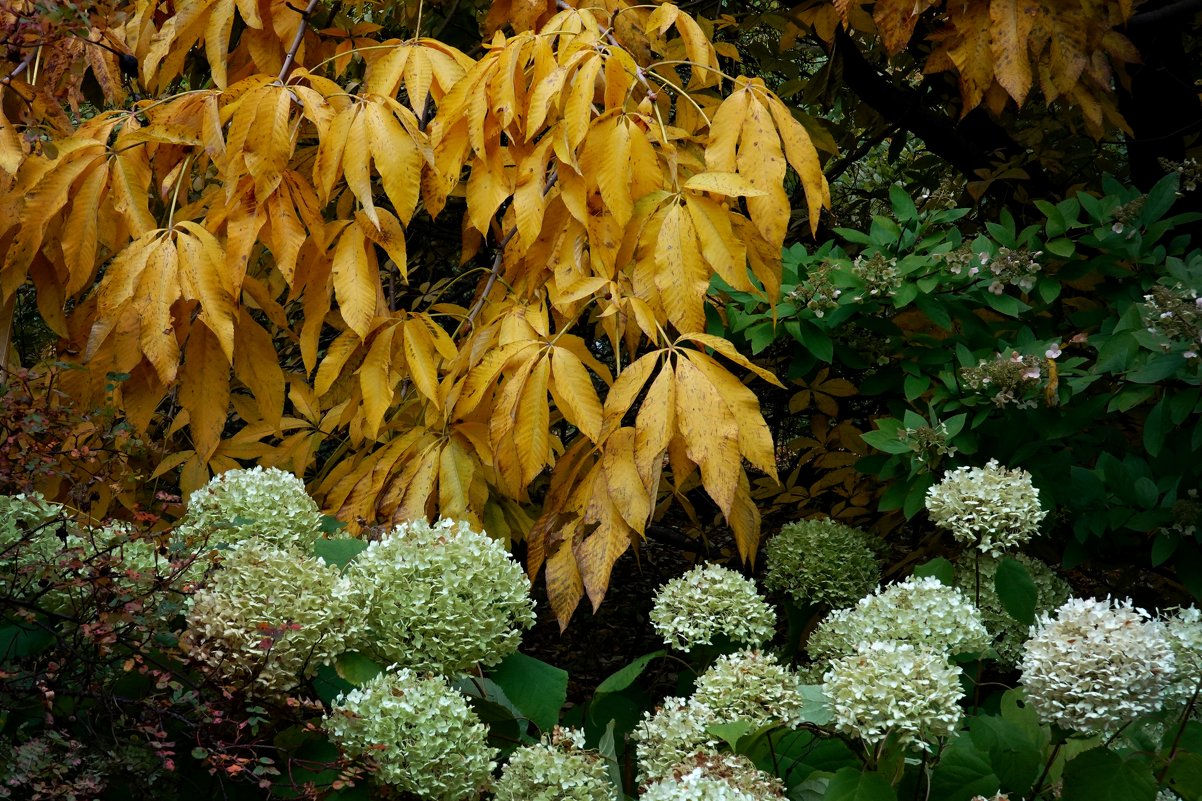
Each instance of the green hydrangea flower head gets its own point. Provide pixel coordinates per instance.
(270, 616)
(441, 597)
(711, 600)
(990, 508)
(1008, 634)
(674, 733)
(265, 504)
(421, 735)
(31, 548)
(557, 769)
(894, 688)
(750, 685)
(1096, 665)
(821, 562)
(920, 611)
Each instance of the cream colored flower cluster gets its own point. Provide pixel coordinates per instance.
(990, 508)
(270, 616)
(441, 598)
(1096, 665)
(748, 685)
(1184, 629)
(420, 733)
(557, 769)
(919, 611)
(724, 777)
(709, 601)
(894, 688)
(821, 562)
(264, 504)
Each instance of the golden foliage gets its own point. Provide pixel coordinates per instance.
(230, 248)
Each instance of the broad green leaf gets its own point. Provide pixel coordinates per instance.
(357, 668)
(626, 676)
(1102, 775)
(536, 688)
(963, 772)
(849, 784)
(1016, 590)
(339, 552)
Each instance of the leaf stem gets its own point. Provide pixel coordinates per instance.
(183, 175)
(1047, 768)
(290, 59)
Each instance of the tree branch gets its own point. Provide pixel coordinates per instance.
(296, 42)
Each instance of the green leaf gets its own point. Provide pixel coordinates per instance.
(884, 441)
(1184, 776)
(338, 552)
(607, 748)
(356, 668)
(1064, 248)
(815, 708)
(1116, 352)
(1162, 548)
(849, 784)
(1016, 590)
(938, 567)
(730, 733)
(329, 685)
(1006, 304)
(1102, 775)
(627, 675)
(955, 424)
(903, 207)
(1015, 751)
(536, 688)
(1146, 493)
(935, 311)
(963, 772)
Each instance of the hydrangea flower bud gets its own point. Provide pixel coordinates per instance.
(991, 508)
(420, 734)
(711, 600)
(441, 598)
(269, 616)
(265, 504)
(894, 688)
(1096, 665)
(920, 611)
(557, 769)
(753, 686)
(674, 733)
(821, 562)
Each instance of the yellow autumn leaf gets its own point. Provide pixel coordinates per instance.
(722, 183)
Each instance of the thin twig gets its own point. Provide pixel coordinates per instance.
(24, 65)
(296, 42)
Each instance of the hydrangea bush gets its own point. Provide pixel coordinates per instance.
(708, 601)
(421, 735)
(267, 505)
(442, 597)
(990, 508)
(270, 616)
(1096, 665)
(920, 611)
(821, 562)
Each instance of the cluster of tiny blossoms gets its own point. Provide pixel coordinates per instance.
(558, 769)
(1189, 171)
(1008, 634)
(271, 615)
(268, 505)
(716, 777)
(991, 508)
(894, 688)
(420, 733)
(1184, 630)
(929, 443)
(818, 293)
(709, 601)
(821, 562)
(442, 597)
(1014, 267)
(1009, 378)
(919, 611)
(1096, 665)
(674, 733)
(1174, 313)
(750, 685)
(877, 274)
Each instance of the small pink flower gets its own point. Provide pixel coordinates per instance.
(1053, 352)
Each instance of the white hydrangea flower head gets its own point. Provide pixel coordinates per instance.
(991, 508)
(920, 611)
(711, 600)
(697, 785)
(35, 535)
(1184, 629)
(736, 770)
(897, 688)
(821, 562)
(674, 733)
(442, 597)
(751, 685)
(1096, 665)
(270, 616)
(557, 769)
(1008, 634)
(265, 504)
(420, 734)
